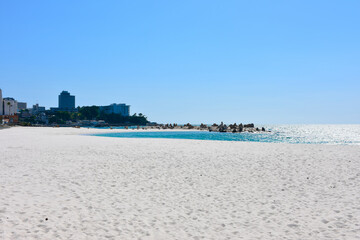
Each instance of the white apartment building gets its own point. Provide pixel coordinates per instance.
(10, 106)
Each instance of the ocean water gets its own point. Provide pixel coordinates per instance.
(296, 134)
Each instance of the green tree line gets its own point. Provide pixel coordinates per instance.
(94, 113)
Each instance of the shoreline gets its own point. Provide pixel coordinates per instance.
(98, 131)
(120, 188)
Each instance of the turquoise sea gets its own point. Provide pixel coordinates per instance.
(304, 134)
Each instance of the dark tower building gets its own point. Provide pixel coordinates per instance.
(66, 101)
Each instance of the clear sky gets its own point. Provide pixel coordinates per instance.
(188, 61)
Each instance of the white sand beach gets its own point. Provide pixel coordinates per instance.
(56, 183)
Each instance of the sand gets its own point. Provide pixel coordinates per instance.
(58, 184)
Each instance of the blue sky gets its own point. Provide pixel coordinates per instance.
(188, 61)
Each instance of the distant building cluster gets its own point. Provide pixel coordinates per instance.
(8, 109)
(9, 106)
(11, 109)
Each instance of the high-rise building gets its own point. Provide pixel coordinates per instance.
(122, 109)
(66, 101)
